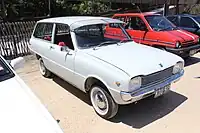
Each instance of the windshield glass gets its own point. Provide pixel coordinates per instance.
(100, 35)
(5, 72)
(197, 19)
(159, 23)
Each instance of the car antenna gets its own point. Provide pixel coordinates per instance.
(138, 8)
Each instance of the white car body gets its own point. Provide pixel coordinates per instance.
(113, 65)
(21, 111)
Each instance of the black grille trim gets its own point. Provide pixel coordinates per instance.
(157, 77)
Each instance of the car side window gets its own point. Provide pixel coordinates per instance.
(135, 23)
(173, 19)
(44, 31)
(62, 36)
(114, 25)
(187, 22)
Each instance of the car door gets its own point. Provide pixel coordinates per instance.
(62, 52)
(188, 24)
(136, 28)
(41, 42)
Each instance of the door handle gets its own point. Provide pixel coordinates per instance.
(51, 47)
(68, 53)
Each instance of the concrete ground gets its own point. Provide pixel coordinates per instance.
(176, 112)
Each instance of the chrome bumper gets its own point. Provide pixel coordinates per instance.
(149, 90)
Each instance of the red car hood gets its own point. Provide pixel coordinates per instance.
(183, 35)
(178, 35)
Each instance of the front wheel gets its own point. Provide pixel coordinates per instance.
(103, 103)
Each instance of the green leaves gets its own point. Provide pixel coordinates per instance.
(35, 8)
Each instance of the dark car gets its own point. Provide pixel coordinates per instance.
(187, 22)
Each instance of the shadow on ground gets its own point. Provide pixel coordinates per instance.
(73, 90)
(148, 110)
(191, 61)
(135, 115)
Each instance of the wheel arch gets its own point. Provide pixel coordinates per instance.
(92, 80)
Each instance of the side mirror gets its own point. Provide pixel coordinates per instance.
(64, 49)
(17, 63)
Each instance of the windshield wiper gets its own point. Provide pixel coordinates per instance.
(105, 43)
(126, 40)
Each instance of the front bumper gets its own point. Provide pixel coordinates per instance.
(184, 52)
(129, 97)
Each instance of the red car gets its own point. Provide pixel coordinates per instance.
(157, 31)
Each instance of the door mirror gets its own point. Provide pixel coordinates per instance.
(17, 63)
(64, 49)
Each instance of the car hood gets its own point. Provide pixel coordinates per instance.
(21, 111)
(177, 35)
(135, 59)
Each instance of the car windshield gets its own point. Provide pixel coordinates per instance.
(5, 72)
(98, 35)
(159, 23)
(197, 19)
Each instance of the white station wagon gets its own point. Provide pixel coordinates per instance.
(112, 68)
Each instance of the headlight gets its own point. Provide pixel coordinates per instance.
(178, 44)
(178, 67)
(135, 83)
(197, 40)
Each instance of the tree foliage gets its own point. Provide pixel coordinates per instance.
(35, 8)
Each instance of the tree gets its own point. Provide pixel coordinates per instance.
(92, 7)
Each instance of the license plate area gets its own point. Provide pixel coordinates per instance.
(162, 91)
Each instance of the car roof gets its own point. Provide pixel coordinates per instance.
(137, 14)
(186, 15)
(78, 21)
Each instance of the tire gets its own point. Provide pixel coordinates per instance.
(43, 70)
(102, 102)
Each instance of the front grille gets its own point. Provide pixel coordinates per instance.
(188, 45)
(156, 77)
(188, 42)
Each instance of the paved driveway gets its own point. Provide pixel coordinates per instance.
(176, 112)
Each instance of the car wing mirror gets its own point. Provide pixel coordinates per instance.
(64, 48)
(17, 63)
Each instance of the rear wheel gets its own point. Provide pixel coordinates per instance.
(102, 102)
(43, 70)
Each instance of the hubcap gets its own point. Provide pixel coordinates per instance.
(42, 67)
(99, 101)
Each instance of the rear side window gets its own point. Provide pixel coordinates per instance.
(43, 31)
